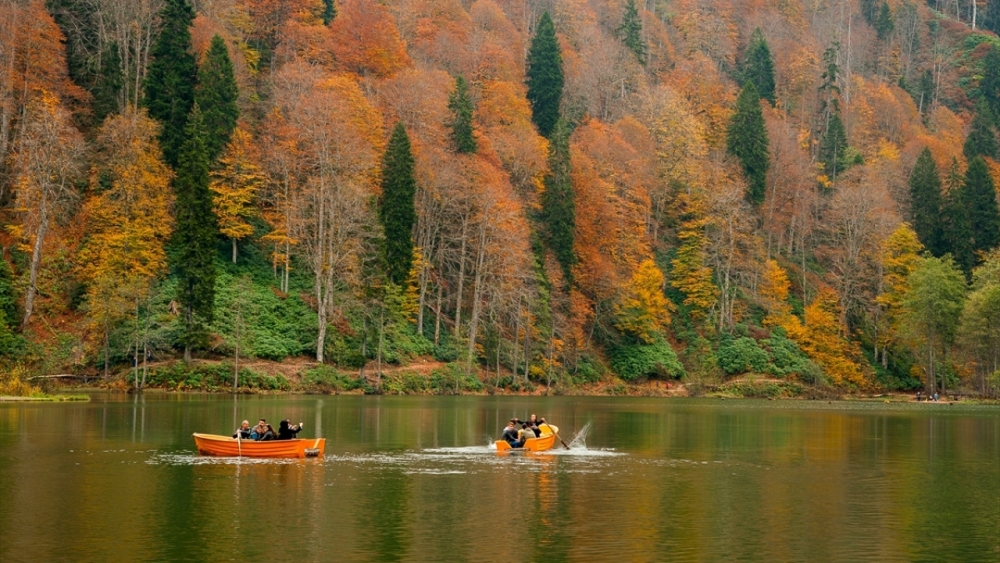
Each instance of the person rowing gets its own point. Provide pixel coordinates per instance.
(243, 432)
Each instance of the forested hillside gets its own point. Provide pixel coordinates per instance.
(556, 191)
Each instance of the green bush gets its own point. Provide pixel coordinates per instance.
(741, 355)
(326, 379)
(212, 377)
(445, 381)
(750, 388)
(634, 361)
(786, 356)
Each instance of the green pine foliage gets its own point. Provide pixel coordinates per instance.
(979, 197)
(635, 360)
(216, 96)
(746, 139)
(758, 66)
(396, 210)
(989, 84)
(925, 96)
(558, 201)
(108, 85)
(925, 201)
(545, 76)
(958, 227)
(329, 11)
(884, 23)
(630, 32)
(982, 138)
(833, 148)
(461, 108)
(194, 237)
(171, 78)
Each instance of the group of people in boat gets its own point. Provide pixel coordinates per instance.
(517, 437)
(264, 431)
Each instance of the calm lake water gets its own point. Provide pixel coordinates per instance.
(412, 479)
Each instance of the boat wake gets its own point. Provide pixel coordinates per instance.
(197, 459)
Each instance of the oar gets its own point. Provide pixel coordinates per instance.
(557, 436)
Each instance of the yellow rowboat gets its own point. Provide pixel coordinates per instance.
(545, 441)
(211, 444)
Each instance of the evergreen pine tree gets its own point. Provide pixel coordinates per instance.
(194, 237)
(991, 16)
(869, 9)
(758, 67)
(545, 76)
(171, 77)
(958, 227)
(833, 148)
(746, 139)
(108, 85)
(630, 31)
(982, 139)
(329, 12)
(8, 299)
(396, 210)
(989, 84)
(926, 94)
(461, 123)
(884, 23)
(558, 200)
(925, 199)
(979, 197)
(216, 96)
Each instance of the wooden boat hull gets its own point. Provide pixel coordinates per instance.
(539, 444)
(210, 444)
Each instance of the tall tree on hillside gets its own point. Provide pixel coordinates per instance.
(925, 99)
(461, 117)
(958, 226)
(746, 139)
(329, 11)
(982, 138)
(758, 66)
(930, 312)
(396, 210)
(884, 23)
(194, 239)
(107, 88)
(925, 201)
(216, 96)
(630, 32)
(171, 78)
(236, 184)
(989, 84)
(545, 76)
(48, 161)
(558, 201)
(979, 197)
(833, 147)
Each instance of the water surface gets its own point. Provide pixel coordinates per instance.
(413, 479)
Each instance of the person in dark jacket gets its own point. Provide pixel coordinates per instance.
(286, 431)
(243, 432)
(510, 434)
(268, 434)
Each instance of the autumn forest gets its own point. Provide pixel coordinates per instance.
(531, 193)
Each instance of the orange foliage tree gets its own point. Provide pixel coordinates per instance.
(364, 39)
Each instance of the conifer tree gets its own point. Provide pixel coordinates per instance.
(746, 139)
(758, 66)
(925, 199)
(396, 210)
(545, 76)
(171, 77)
(833, 148)
(329, 12)
(926, 94)
(991, 16)
(108, 85)
(989, 84)
(883, 22)
(461, 123)
(979, 197)
(630, 32)
(982, 139)
(216, 96)
(194, 239)
(958, 227)
(558, 201)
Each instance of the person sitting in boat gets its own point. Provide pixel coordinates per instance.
(267, 434)
(286, 431)
(243, 432)
(510, 434)
(258, 430)
(524, 434)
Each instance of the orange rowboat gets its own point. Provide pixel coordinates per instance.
(210, 444)
(544, 442)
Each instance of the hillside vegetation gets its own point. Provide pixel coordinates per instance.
(534, 191)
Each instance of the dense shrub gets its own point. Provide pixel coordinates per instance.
(212, 377)
(741, 355)
(751, 388)
(634, 361)
(326, 379)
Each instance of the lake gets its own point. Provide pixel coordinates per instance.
(413, 479)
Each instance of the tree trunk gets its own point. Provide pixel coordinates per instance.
(437, 314)
(36, 260)
(234, 251)
(476, 288)
(461, 280)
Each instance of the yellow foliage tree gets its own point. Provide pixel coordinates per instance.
(690, 275)
(236, 185)
(900, 257)
(774, 295)
(643, 310)
(128, 220)
(821, 339)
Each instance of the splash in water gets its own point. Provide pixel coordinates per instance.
(579, 441)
